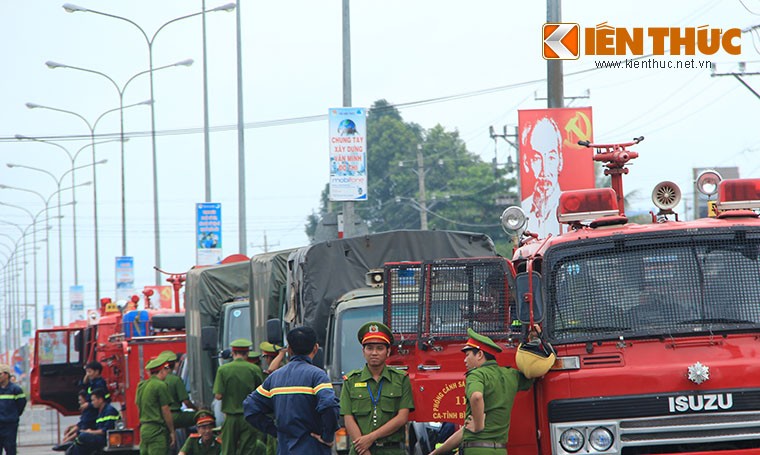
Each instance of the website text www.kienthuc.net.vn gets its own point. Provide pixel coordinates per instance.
(654, 63)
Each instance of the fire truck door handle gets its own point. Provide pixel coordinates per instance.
(428, 367)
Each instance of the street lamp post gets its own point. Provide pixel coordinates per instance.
(12, 256)
(91, 127)
(72, 159)
(149, 41)
(46, 202)
(24, 233)
(58, 182)
(120, 90)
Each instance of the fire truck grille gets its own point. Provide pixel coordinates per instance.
(403, 282)
(672, 283)
(441, 299)
(691, 429)
(658, 423)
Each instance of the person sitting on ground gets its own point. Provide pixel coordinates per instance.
(89, 441)
(72, 430)
(92, 380)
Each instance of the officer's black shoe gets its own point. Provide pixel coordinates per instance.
(62, 447)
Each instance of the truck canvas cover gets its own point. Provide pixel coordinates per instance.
(319, 274)
(206, 290)
(269, 275)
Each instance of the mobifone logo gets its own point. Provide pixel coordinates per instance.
(562, 41)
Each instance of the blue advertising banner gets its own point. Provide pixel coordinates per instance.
(209, 233)
(76, 302)
(348, 153)
(125, 277)
(48, 315)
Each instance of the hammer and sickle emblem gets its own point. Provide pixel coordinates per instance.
(577, 129)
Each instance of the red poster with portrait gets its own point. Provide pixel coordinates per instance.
(551, 161)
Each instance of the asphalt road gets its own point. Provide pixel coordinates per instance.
(39, 430)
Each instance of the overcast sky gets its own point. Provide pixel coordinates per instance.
(404, 51)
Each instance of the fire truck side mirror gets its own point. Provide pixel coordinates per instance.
(523, 302)
(209, 337)
(274, 331)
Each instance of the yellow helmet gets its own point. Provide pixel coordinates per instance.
(535, 358)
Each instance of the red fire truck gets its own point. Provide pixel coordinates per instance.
(656, 326)
(122, 340)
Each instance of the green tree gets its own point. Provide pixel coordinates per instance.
(461, 189)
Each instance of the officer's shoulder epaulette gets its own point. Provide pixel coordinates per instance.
(194, 435)
(351, 373)
(397, 370)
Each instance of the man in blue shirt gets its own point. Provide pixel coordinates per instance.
(301, 398)
(91, 440)
(92, 380)
(12, 404)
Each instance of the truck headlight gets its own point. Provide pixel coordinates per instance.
(600, 439)
(571, 440)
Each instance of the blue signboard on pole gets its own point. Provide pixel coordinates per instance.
(209, 233)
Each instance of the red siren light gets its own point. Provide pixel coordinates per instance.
(581, 205)
(739, 194)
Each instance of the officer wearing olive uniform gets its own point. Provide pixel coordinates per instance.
(375, 401)
(204, 442)
(152, 400)
(274, 356)
(234, 381)
(490, 393)
(178, 395)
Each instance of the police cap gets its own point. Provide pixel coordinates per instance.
(204, 417)
(241, 344)
(170, 356)
(155, 363)
(375, 332)
(269, 348)
(481, 342)
(254, 354)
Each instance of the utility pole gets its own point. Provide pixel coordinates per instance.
(554, 83)
(348, 206)
(266, 244)
(421, 183)
(511, 139)
(242, 234)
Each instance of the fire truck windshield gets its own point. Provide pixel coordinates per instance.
(678, 283)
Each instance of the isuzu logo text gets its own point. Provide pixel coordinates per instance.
(561, 41)
(706, 402)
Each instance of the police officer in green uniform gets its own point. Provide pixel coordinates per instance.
(273, 357)
(152, 400)
(204, 442)
(235, 381)
(490, 393)
(375, 401)
(178, 395)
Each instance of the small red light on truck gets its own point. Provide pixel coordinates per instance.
(581, 205)
(121, 438)
(739, 194)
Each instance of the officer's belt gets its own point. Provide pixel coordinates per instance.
(388, 445)
(483, 445)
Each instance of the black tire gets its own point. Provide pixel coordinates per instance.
(169, 321)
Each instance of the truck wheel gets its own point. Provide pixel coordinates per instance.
(169, 321)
